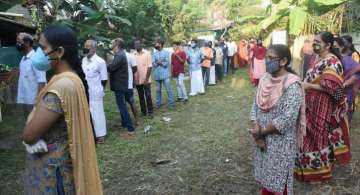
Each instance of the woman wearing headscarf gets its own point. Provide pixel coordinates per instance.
(61, 155)
(327, 134)
(278, 117)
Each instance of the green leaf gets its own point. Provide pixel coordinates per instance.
(95, 19)
(297, 19)
(273, 19)
(88, 10)
(328, 2)
(120, 19)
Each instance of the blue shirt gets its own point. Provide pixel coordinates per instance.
(161, 71)
(194, 59)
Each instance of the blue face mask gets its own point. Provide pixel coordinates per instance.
(272, 66)
(40, 60)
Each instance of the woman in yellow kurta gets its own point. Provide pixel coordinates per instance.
(61, 155)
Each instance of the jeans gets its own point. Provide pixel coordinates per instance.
(125, 116)
(206, 75)
(225, 66)
(144, 92)
(169, 92)
(181, 90)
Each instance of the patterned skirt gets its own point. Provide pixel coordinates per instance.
(326, 140)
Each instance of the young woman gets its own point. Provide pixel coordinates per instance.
(348, 42)
(278, 117)
(327, 134)
(257, 56)
(351, 75)
(58, 136)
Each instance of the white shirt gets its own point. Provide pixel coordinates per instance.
(232, 48)
(29, 80)
(95, 71)
(131, 63)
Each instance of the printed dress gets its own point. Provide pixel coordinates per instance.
(274, 166)
(327, 133)
(51, 173)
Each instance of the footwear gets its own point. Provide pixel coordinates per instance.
(192, 94)
(186, 101)
(180, 99)
(100, 140)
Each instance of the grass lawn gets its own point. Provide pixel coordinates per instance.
(206, 141)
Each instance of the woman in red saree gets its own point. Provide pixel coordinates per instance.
(257, 57)
(327, 134)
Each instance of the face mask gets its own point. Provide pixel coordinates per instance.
(40, 60)
(317, 48)
(86, 51)
(193, 45)
(272, 66)
(20, 47)
(157, 47)
(337, 50)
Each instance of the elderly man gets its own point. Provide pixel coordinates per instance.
(143, 78)
(31, 80)
(119, 83)
(95, 71)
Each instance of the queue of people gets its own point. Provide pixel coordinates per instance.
(301, 128)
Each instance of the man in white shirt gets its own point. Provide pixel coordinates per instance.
(95, 70)
(232, 50)
(31, 80)
(129, 96)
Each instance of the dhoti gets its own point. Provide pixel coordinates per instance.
(212, 79)
(197, 85)
(98, 117)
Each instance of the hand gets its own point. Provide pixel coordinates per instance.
(346, 84)
(306, 85)
(38, 147)
(261, 143)
(255, 131)
(158, 62)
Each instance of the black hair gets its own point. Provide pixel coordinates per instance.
(27, 39)
(328, 38)
(349, 39)
(283, 51)
(339, 41)
(63, 36)
(161, 42)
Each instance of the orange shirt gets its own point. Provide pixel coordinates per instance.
(208, 53)
(143, 62)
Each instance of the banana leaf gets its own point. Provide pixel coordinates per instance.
(119, 19)
(297, 20)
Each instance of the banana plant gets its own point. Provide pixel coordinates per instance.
(297, 12)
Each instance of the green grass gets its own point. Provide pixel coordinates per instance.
(206, 140)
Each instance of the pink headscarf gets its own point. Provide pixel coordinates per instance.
(269, 92)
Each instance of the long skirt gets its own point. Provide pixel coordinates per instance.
(98, 117)
(212, 79)
(197, 85)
